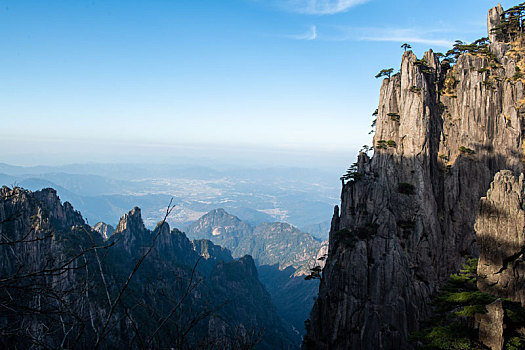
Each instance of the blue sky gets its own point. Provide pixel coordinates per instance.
(278, 81)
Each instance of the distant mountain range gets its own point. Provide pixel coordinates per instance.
(268, 243)
(253, 202)
(301, 197)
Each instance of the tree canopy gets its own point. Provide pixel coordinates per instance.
(478, 46)
(512, 23)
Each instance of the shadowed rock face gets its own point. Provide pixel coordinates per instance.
(501, 239)
(39, 234)
(209, 250)
(442, 134)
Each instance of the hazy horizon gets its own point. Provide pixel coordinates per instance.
(247, 81)
(216, 156)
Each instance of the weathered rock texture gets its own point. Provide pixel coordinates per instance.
(491, 326)
(40, 289)
(493, 20)
(407, 223)
(501, 238)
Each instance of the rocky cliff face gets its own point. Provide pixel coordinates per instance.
(407, 222)
(41, 250)
(208, 250)
(501, 238)
(500, 229)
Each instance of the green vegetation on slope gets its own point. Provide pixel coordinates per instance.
(455, 306)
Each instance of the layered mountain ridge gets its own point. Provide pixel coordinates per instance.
(64, 286)
(406, 222)
(268, 243)
(283, 254)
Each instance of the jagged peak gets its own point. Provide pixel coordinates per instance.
(47, 195)
(48, 191)
(408, 58)
(163, 230)
(135, 211)
(63, 215)
(249, 264)
(245, 263)
(493, 20)
(431, 59)
(63, 212)
(131, 221)
(176, 231)
(164, 226)
(409, 55)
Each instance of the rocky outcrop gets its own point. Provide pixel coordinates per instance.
(42, 244)
(132, 231)
(407, 221)
(208, 250)
(500, 229)
(493, 21)
(491, 326)
(104, 229)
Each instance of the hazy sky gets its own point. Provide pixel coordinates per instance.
(273, 80)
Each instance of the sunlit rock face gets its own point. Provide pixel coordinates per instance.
(104, 229)
(407, 222)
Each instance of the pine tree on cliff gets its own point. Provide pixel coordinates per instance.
(385, 73)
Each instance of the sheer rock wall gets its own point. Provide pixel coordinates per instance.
(407, 223)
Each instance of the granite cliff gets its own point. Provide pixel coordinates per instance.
(444, 128)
